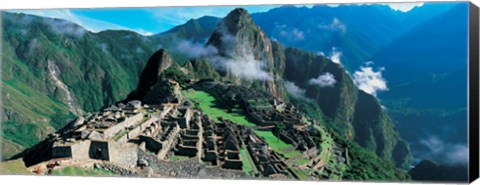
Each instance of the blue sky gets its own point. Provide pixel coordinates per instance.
(148, 21)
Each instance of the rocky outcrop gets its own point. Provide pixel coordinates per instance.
(158, 62)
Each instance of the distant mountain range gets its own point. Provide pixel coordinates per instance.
(428, 83)
(81, 71)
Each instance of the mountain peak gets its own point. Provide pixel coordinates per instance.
(237, 19)
(238, 12)
(236, 32)
(157, 63)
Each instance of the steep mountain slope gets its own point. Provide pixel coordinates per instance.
(432, 172)
(429, 101)
(349, 111)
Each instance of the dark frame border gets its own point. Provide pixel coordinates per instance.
(473, 108)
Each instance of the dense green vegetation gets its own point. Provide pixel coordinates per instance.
(364, 164)
(24, 133)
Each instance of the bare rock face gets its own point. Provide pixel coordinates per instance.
(158, 62)
(242, 45)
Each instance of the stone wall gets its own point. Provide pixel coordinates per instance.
(151, 144)
(137, 130)
(110, 132)
(187, 151)
(123, 154)
(80, 150)
(233, 164)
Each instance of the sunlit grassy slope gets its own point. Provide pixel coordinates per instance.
(13, 167)
(207, 106)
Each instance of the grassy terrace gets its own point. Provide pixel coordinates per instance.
(277, 144)
(326, 145)
(77, 171)
(302, 161)
(206, 103)
(301, 174)
(14, 167)
(248, 165)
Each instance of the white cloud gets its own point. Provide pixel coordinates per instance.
(335, 56)
(248, 68)
(400, 6)
(294, 90)
(335, 25)
(238, 57)
(404, 7)
(324, 80)
(65, 27)
(194, 49)
(89, 24)
(294, 34)
(104, 47)
(369, 80)
(450, 153)
(298, 34)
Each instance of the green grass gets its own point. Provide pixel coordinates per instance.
(30, 103)
(77, 171)
(14, 167)
(302, 174)
(23, 134)
(248, 165)
(326, 145)
(178, 158)
(302, 161)
(277, 144)
(207, 106)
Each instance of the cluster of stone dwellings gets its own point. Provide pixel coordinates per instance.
(178, 132)
(106, 134)
(222, 143)
(269, 113)
(267, 161)
(300, 139)
(224, 140)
